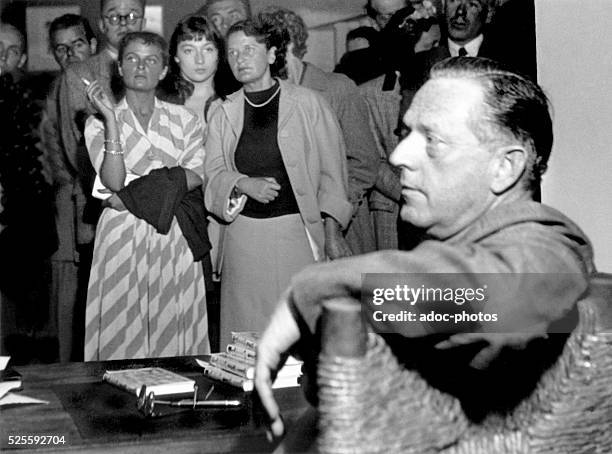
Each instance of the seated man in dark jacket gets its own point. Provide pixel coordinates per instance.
(479, 141)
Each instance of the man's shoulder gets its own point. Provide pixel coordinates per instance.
(523, 221)
(302, 95)
(317, 79)
(428, 58)
(374, 89)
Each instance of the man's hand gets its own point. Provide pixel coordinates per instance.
(264, 190)
(279, 336)
(496, 342)
(336, 246)
(114, 202)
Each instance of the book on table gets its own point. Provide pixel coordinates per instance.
(236, 366)
(157, 380)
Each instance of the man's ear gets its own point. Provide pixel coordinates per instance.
(508, 168)
(93, 45)
(22, 60)
(102, 25)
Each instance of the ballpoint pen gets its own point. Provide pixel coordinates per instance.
(146, 402)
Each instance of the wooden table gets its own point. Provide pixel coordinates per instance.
(93, 416)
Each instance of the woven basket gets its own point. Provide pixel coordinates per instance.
(372, 404)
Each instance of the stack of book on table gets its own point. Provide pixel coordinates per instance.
(236, 366)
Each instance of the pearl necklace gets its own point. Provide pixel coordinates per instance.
(252, 104)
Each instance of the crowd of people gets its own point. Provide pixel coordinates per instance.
(160, 181)
(165, 195)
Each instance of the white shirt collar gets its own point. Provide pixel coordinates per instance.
(472, 47)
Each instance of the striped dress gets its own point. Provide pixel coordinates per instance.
(146, 295)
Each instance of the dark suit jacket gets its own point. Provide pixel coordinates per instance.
(414, 77)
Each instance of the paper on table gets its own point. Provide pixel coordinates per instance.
(19, 399)
(6, 386)
(4, 361)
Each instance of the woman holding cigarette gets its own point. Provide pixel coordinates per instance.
(146, 295)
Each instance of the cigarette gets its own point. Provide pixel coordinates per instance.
(85, 81)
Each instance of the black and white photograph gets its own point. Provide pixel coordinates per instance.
(305, 226)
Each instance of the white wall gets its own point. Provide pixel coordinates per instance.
(575, 68)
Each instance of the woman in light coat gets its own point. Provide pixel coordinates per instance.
(276, 172)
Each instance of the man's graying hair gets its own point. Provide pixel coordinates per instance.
(516, 108)
(204, 8)
(103, 3)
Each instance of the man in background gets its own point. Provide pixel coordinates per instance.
(225, 13)
(12, 51)
(117, 18)
(464, 23)
(381, 11)
(408, 31)
(27, 230)
(352, 113)
(71, 41)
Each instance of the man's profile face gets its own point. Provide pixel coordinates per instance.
(11, 50)
(445, 169)
(120, 17)
(70, 45)
(465, 19)
(225, 13)
(385, 9)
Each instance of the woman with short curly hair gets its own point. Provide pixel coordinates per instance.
(276, 167)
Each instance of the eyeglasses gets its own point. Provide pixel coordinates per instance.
(63, 49)
(247, 51)
(116, 19)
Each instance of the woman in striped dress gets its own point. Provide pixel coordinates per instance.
(146, 295)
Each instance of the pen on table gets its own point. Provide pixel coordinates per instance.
(200, 403)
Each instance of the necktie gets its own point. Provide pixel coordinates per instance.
(462, 52)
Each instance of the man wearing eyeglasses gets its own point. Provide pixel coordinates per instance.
(71, 40)
(117, 18)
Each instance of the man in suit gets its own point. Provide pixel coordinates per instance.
(469, 167)
(352, 113)
(407, 30)
(71, 40)
(117, 17)
(464, 21)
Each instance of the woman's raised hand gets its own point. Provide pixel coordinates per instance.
(100, 100)
(262, 189)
